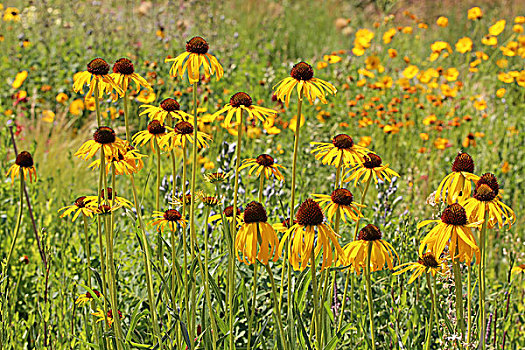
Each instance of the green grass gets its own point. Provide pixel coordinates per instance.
(257, 42)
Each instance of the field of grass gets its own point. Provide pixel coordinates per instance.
(417, 83)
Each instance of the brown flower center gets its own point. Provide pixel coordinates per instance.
(170, 105)
(24, 159)
(454, 214)
(255, 212)
(343, 141)
(241, 99)
(265, 160)
(463, 162)
(342, 196)
(372, 161)
(172, 215)
(110, 314)
(210, 201)
(369, 233)
(490, 180)
(89, 296)
(197, 45)
(104, 135)
(104, 209)
(228, 211)
(123, 66)
(156, 128)
(484, 193)
(309, 213)
(110, 193)
(183, 128)
(79, 202)
(302, 71)
(98, 67)
(428, 260)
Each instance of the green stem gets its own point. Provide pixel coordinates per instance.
(292, 207)
(100, 241)
(157, 190)
(147, 262)
(18, 222)
(261, 187)
(481, 282)
(431, 319)
(126, 119)
(294, 164)
(469, 302)
(315, 319)
(276, 309)
(207, 281)
(174, 173)
(252, 310)
(369, 295)
(87, 250)
(109, 255)
(193, 238)
(233, 230)
(459, 297)
(363, 195)
(97, 104)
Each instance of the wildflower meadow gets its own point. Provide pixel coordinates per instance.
(262, 174)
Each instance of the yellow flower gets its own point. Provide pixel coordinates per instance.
(196, 55)
(480, 105)
(263, 163)
(108, 317)
(497, 28)
(108, 203)
(464, 45)
(83, 299)
(228, 215)
(518, 269)
(255, 231)
(489, 40)
(427, 263)
(240, 102)
(371, 167)
(442, 21)
(124, 73)
(457, 185)
(392, 53)
(389, 35)
(76, 107)
(48, 116)
(451, 74)
(97, 73)
(332, 58)
(369, 242)
(453, 228)
(129, 161)
(23, 163)
(81, 206)
(181, 134)
(62, 98)
(103, 138)
(19, 79)
(321, 65)
(410, 71)
(153, 134)
(341, 151)
(341, 202)
(167, 108)
(302, 76)
(170, 218)
(11, 14)
(474, 13)
(302, 242)
(146, 96)
(501, 92)
(486, 199)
